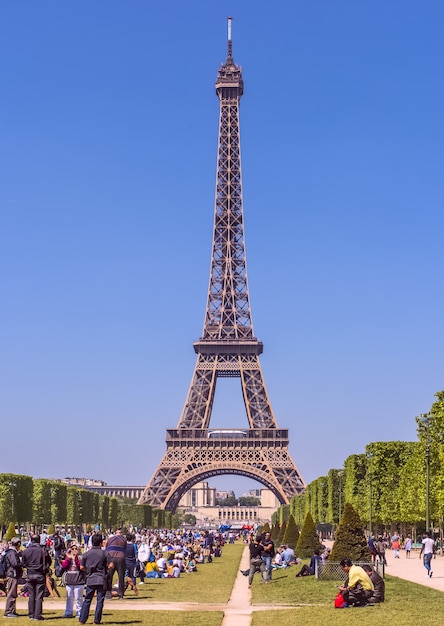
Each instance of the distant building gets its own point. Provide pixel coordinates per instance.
(199, 500)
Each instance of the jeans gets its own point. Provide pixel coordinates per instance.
(73, 593)
(267, 561)
(90, 591)
(427, 559)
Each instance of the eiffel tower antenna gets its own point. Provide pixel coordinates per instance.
(227, 348)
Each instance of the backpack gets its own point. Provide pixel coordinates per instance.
(3, 565)
(339, 602)
(59, 544)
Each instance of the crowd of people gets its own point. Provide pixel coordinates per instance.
(96, 565)
(107, 566)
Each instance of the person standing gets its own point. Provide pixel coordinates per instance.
(395, 547)
(380, 547)
(257, 563)
(115, 549)
(428, 548)
(58, 544)
(14, 571)
(131, 562)
(408, 546)
(36, 561)
(94, 563)
(74, 581)
(267, 553)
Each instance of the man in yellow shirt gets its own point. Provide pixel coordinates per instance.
(358, 587)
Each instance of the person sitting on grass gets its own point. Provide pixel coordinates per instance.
(378, 583)
(358, 588)
(310, 570)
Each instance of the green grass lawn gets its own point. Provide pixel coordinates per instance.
(212, 583)
(406, 604)
(125, 618)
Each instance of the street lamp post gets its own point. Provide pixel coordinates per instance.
(425, 419)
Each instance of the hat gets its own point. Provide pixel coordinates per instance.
(15, 541)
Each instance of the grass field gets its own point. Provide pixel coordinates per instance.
(407, 604)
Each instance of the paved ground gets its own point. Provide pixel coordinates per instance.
(239, 611)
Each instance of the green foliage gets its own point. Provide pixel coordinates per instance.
(281, 532)
(298, 509)
(308, 540)
(385, 462)
(230, 501)
(113, 512)
(189, 518)
(104, 511)
(291, 535)
(59, 514)
(275, 531)
(249, 501)
(266, 528)
(51, 529)
(335, 495)
(10, 533)
(72, 506)
(15, 498)
(355, 489)
(167, 519)
(42, 502)
(350, 539)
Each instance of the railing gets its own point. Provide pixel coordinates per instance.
(332, 570)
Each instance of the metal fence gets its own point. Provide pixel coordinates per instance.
(331, 570)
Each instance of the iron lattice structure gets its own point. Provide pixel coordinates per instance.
(227, 348)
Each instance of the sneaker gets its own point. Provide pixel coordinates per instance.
(11, 615)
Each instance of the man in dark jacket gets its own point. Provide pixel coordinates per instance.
(94, 563)
(14, 571)
(378, 583)
(36, 560)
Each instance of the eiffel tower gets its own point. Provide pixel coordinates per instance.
(227, 348)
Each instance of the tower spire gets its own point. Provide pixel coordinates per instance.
(229, 60)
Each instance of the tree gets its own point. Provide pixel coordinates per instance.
(274, 531)
(308, 540)
(291, 535)
(281, 532)
(10, 533)
(42, 502)
(249, 501)
(15, 498)
(350, 539)
(58, 502)
(189, 518)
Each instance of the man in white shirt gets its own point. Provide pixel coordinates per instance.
(428, 547)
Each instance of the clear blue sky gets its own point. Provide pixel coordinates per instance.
(108, 131)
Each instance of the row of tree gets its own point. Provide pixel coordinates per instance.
(42, 502)
(385, 485)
